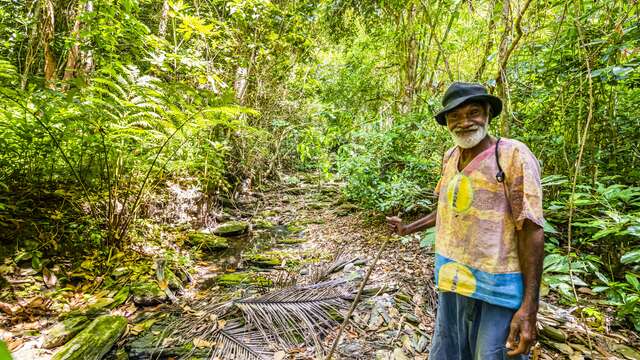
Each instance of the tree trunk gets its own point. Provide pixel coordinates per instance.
(74, 60)
(162, 27)
(408, 72)
(48, 28)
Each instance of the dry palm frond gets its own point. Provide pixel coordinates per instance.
(236, 341)
(296, 315)
(322, 271)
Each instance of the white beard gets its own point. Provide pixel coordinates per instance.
(470, 139)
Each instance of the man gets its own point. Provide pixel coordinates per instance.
(489, 239)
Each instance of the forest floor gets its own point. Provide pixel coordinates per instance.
(294, 227)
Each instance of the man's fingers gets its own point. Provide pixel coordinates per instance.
(524, 343)
(514, 329)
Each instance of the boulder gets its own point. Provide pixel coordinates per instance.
(63, 331)
(242, 278)
(95, 340)
(207, 241)
(263, 260)
(231, 228)
(147, 293)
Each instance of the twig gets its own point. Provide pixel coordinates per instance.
(356, 300)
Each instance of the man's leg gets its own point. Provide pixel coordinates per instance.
(452, 329)
(491, 333)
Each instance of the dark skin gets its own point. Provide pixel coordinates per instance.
(522, 333)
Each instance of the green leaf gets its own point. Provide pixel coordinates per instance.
(632, 256)
(428, 237)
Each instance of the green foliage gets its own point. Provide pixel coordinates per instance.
(605, 241)
(392, 169)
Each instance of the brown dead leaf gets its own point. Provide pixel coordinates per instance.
(221, 324)
(15, 344)
(6, 308)
(201, 343)
(50, 279)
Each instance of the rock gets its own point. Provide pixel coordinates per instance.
(242, 278)
(346, 209)
(259, 223)
(295, 228)
(207, 241)
(263, 260)
(173, 281)
(626, 351)
(291, 241)
(147, 293)
(63, 331)
(553, 333)
(95, 340)
(231, 228)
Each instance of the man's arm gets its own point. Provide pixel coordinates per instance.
(522, 333)
(396, 225)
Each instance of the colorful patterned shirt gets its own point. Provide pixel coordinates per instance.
(477, 219)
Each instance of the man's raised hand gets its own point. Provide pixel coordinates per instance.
(396, 226)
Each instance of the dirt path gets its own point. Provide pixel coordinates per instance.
(294, 227)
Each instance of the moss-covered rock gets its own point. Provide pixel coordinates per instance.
(207, 241)
(260, 223)
(263, 260)
(242, 278)
(232, 228)
(173, 280)
(63, 331)
(147, 293)
(291, 241)
(95, 340)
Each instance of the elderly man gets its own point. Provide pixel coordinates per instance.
(489, 239)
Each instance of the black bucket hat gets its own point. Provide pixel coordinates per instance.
(460, 93)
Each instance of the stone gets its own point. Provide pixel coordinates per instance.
(147, 293)
(383, 355)
(207, 241)
(291, 241)
(260, 223)
(95, 340)
(263, 260)
(242, 278)
(231, 228)
(63, 331)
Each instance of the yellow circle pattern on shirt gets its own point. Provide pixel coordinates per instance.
(460, 193)
(456, 278)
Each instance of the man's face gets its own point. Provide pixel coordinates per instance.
(468, 124)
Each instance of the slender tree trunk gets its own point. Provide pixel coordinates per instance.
(408, 72)
(162, 27)
(505, 53)
(73, 61)
(48, 28)
(489, 44)
(87, 56)
(32, 45)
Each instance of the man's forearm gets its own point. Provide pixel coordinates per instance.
(421, 224)
(531, 255)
